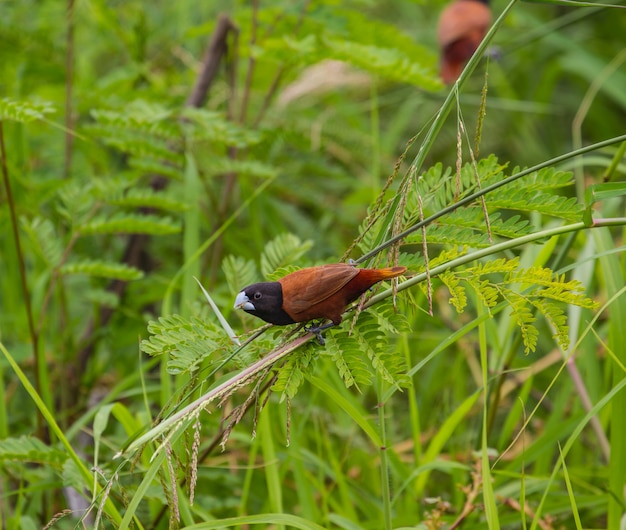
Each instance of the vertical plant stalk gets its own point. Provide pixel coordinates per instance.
(39, 363)
(491, 512)
(384, 460)
(216, 49)
(69, 88)
(251, 63)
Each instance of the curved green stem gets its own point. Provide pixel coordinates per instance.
(493, 249)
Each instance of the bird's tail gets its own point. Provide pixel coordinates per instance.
(383, 274)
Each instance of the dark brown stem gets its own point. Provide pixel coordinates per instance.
(269, 96)
(216, 50)
(251, 63)
(34, 336)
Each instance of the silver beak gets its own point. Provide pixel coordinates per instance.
(243, 302)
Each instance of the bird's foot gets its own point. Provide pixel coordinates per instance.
(317, 331)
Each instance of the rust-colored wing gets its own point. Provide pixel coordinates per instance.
(308, 287)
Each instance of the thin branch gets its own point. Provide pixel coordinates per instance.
(34, 336)
(216, 50)
(251, 63)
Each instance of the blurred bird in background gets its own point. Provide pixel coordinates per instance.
(462, 26)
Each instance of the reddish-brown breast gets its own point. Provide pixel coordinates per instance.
(462, 26)
(326, 291)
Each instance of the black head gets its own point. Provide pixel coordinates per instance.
(264, 300)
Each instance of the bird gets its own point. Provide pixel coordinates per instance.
(322, 292)
(462, 26)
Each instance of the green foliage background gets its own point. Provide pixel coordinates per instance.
(504, 408)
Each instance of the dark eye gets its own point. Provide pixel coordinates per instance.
(257, 295)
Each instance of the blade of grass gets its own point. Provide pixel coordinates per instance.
(570, 491)
(489, 500)
(271, 471)
(142, 490)
(613, 393)
(382, 451)
(167, 298)
(225, 325)
(613, 274)
(191, 233)
(444, 433)
(267, 519)
(348, 407)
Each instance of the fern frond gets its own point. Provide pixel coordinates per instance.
(487, 292)
(380, 48)
(548, 178)
(447, 255)
(150, 165)
(444, 234)
(280, 272)
(390, 319)
(149, 118)
(389, 63)
(239, 272)
(144, 130)
(44, 237)
(102, 269)
(547, 284)
(523, 289)
(28, 449)
(75, 201)
(512, 227)
(148, 198)
(131, 224)
(281, 251)
(440, 187)
(214, 127)
(187, 342)
(140, 146)
(529, 200)
(113, 186)
(373, 342)
(458, 297)
(564, 294)
(557, 318)
(291, 374)
(494, 266)
(524, 318)
(251, 168)
(348, 358)
(24, 111)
